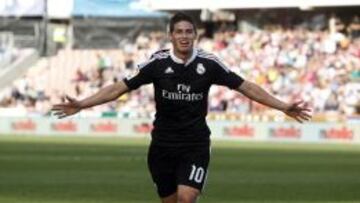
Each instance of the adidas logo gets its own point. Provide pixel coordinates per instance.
(169, 70)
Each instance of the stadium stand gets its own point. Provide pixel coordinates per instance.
(289, 63)
(314, 55)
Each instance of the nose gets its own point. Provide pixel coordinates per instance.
(183, 35)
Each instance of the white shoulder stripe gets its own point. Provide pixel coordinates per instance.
(142, 65)
(157, 55)
(161, 55)
(212, 57)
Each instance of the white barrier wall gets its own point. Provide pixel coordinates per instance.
(294, 132)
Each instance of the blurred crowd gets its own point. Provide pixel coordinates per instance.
(322, 67)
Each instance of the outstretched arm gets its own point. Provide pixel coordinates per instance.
(295, 110)
(106, 94)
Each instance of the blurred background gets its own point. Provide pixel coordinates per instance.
(295, 50)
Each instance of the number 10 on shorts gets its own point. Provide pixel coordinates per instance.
(197, 174)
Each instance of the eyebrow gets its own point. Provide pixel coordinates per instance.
(186, 29)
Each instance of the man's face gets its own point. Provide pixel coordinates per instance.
(183, 37)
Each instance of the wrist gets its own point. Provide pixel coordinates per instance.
(285, 107)
(81, 105)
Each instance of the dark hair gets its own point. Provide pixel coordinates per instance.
(177, 17)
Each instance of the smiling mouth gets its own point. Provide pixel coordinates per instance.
(184, 44)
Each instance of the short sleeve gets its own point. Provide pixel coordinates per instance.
(144, 75)
(223, 76)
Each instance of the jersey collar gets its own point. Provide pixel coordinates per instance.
(180, 61)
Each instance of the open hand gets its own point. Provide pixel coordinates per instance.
(68, 108)
(299, 111)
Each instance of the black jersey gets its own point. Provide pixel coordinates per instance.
(181, 94)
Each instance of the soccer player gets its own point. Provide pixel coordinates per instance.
(178, 155)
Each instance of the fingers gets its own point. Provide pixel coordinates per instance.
(300, 108)
(64, 105)
(298, 103)
(58, 113)
(66, 108)
(298, 119)
(70, 99)
(61, 114)
(304, 117)
(306, 109)
(57, 107)
(301, 117)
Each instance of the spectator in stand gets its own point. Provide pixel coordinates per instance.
(354, 27)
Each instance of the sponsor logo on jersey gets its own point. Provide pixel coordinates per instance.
(183, 93)
(200, 69)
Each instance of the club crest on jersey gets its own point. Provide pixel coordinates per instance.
(200, 69)
(169, 70)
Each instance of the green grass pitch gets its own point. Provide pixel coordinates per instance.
(113, 170)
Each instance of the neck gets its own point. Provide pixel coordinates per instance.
(185, 56)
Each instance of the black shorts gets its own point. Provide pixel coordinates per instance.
(173, 166)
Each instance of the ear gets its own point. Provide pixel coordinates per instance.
(170, 36)
(168, 33)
